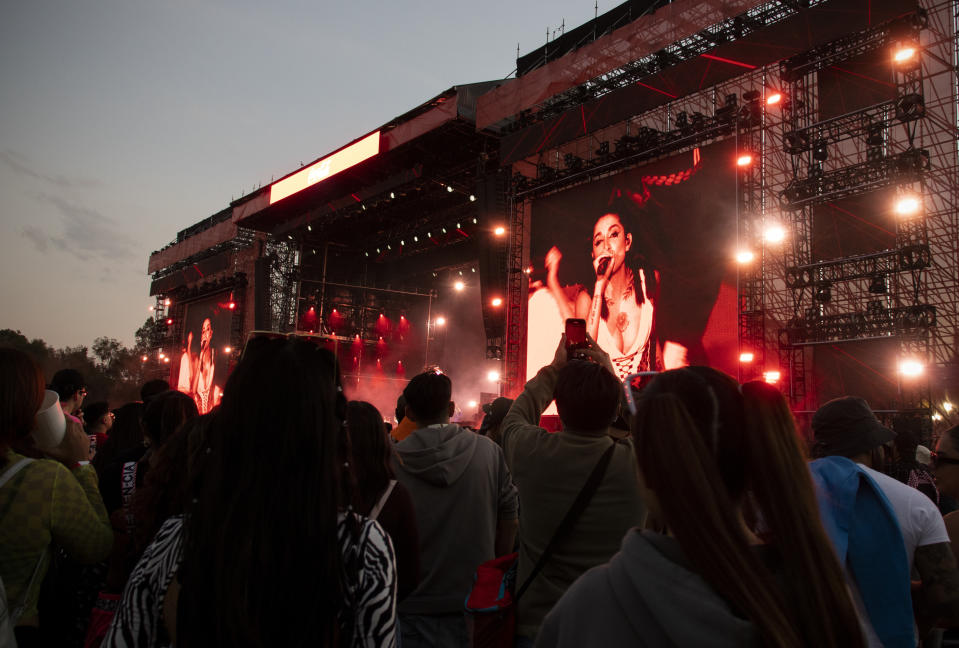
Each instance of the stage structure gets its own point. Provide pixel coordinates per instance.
(842, 151)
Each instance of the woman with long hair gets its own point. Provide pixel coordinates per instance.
(43, 503)
(706, 453)
(269, 552)
(379, 495)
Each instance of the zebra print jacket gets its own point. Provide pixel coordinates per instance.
(139, 618)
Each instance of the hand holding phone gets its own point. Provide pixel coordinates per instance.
(575, 335)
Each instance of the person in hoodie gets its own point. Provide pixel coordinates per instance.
(708, 454)
(551, 469)
(466, 511)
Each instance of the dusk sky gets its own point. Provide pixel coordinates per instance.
(122, 122)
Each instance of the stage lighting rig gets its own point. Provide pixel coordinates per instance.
(823, 293)
(819, 151)
(910, 106)
(878, 284)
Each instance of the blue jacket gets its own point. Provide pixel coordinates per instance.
(865, 533)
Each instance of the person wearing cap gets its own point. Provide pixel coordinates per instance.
(847, 427)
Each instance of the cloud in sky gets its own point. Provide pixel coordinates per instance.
(86, 233)
(20, 164)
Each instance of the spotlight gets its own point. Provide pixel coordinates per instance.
(150, 308)
(473, 199)
(493, 376)
(166, 359)
(746, 356)
(772, 377)
(392, 195)
(904, 53)
(937, 417)
(774, 234)
(231, 305)
(744, 256)
(823, 292)
(496, 302)
(145, 358)
(227, 349)
(459, 285)
(907, 205)
(819, 151)
(744, 159)
(499, 231)
(309, 228)
(773, 98)
(441, 321)
(910, 367)
(449, 189)
(947, 407)
(877, 284)
(167, 302)
(169, 321)
(472, 404)
(161, 355)
(416, 239)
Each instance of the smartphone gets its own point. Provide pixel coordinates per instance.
(575, 334)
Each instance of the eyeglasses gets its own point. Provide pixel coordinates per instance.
(937, 459)
(633, 383)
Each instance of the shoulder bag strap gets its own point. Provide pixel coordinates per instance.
(582, 501)
(380, 504)
(13, 470)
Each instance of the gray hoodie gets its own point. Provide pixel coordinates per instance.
(460, 488)
(644, 597)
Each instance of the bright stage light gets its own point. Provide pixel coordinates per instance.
(166, 359)
(493, 376)
(904, 53)
(145, 358)
(167, 302)
(496, 302)
(745, 256)
(449, 188)
(771, 377)
(459, 285)
(937, 417)
(473, 199)
(499, 231)
(441, 321)
(169, 321)
(231, 305)
(472, 404)
(908, 205)
(227, 349)
(773, 98)
(774, 234)
(746, 356)
(911, 367)
(744, 159)
(947, 407)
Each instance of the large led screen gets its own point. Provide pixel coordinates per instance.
(202, 361)
(647, 258)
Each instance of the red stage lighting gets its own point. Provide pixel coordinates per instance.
(773, 98)
(227, 349)
(145, 358)
(744, 159)
(496, 302)
(169, 321)
(746, 356)
(911, 368)
(458, 286)
(231, 305)
(904, 53)
(167, 359)
(907, 205)
(499, 231)
(745, 256)
(772, 377)
(440, 321)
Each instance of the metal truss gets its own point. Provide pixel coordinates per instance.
(728, 30)
(518, 295)
(284, 284)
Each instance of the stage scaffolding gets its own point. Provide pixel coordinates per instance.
(905, 144)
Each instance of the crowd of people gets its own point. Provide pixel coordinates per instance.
(688, 512)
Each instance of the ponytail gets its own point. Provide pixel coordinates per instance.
(697, 506)
(782, 488)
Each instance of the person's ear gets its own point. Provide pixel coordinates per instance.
(452, 409)
(629, 241)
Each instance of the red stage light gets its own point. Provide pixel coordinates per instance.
(772, 377)
(746, 356)
(908, 205)
(496, 302)
(145, 358)
(167, 359)
(227, 349)
(440, 321)
(458, 286)
(904, 52)
(231, 305)
(910, 367)
(773, 98)
(744, 159)
(745, 256)
(169, 321)
(312, 309)
(499, 231)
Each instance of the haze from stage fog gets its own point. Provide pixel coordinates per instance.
(124, 121)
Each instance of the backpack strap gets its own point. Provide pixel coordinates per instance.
(17, 611)
(382, 502)
(128, 486)
(13, 470)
